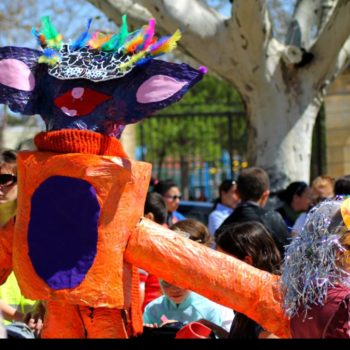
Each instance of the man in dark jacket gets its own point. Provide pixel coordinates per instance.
(253, 188)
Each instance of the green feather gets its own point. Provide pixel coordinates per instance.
(111, 43)
(48, 28)
(123, 33)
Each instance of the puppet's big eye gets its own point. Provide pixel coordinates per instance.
(80, 101)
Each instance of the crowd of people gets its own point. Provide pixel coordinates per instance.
(305, 240)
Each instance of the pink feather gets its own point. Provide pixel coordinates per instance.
(149, 33)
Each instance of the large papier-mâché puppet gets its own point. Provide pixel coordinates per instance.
(79, 232)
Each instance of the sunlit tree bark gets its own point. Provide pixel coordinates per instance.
(282, 84)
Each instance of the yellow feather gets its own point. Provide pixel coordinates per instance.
(133, 60)
(98, 40)
(169, 45)
(50, 61)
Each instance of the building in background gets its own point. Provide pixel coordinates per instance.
(337, 106)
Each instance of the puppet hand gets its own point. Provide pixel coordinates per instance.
(35, 319)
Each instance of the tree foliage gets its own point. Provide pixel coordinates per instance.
(196, 129)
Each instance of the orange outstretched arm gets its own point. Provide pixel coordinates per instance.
(6, 243)
(215, 275)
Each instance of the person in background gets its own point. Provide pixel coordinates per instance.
(322, 187)
(315, 278)
(8, 186)
(13, 305)
(253, 188)
(172, 196)
(296, 199)
(194, 230)
(182, 305)
(342, 186)
(155, 210)
(223, 205)
(253, 244)
(10, 313)
(198, 232)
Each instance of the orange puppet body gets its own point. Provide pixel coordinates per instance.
(119, 184)
(103, 300)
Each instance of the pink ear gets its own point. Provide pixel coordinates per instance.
(16, 74)
(158, 88)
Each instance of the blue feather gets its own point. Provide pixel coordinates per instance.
(83, 38)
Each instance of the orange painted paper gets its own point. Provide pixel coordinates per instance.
(217, 276)
(121, 186)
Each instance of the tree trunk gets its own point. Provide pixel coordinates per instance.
(282, 85)
(283, 149)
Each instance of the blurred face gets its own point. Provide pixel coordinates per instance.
(321, 192)
(8, 185)
(172, 199)
(175, 294)
(230, 198)
(302, 202)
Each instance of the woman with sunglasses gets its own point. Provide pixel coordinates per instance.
(171, 193)
(8, 186)
(13, 305)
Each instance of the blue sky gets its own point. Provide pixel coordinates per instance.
(70, 19)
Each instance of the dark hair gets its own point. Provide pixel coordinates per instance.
(243, 239)
(342, 186)
(250, 238)
(252, 183)
(155, 204)
(225, 186)
(294, 188)
(163, 186)
(197, 231)
(8, 159)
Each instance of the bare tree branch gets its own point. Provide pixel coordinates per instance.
(330, 41)
(187, 15)
(114, 9)
(251, 43)
(307, 16)
(201, 41)
(343, 61)
(327, 9)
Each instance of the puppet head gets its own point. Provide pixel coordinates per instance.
(99, 82)
(319, 257)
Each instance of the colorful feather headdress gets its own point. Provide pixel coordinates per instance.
(99, 56)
